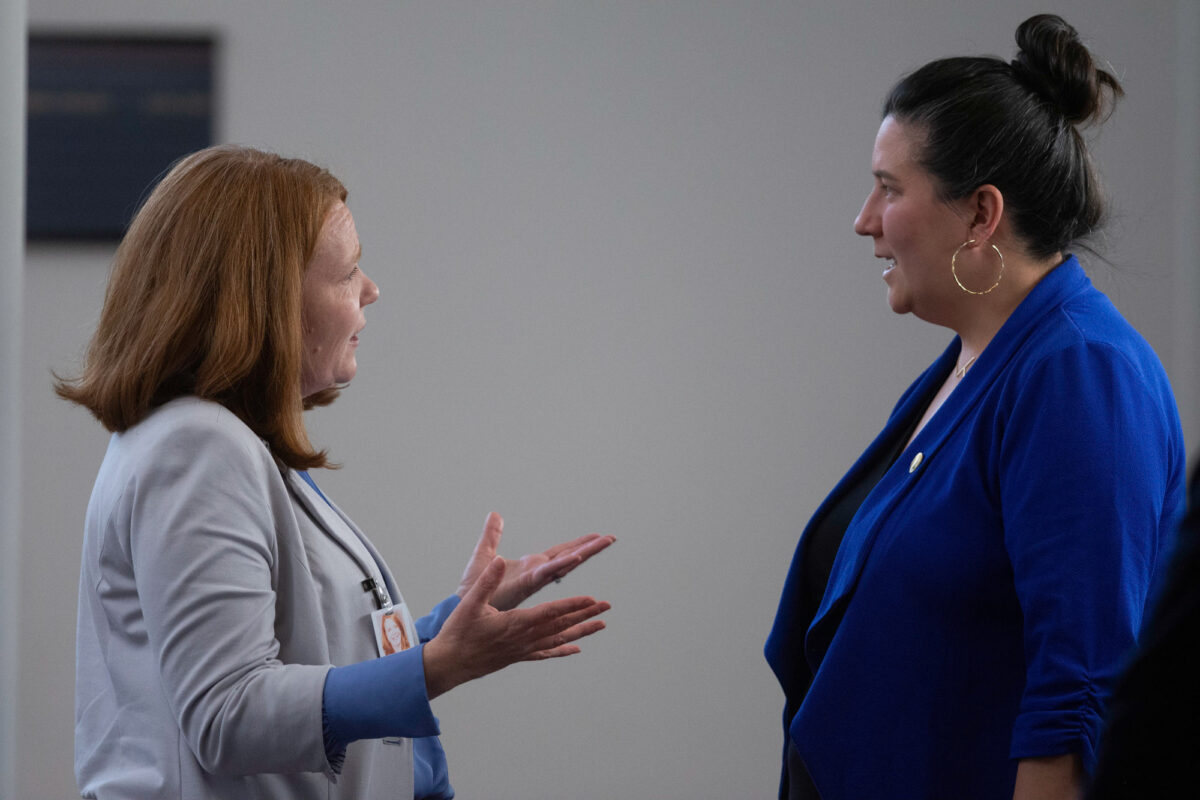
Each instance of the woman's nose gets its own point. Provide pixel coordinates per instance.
(370, 292)
(864, 223)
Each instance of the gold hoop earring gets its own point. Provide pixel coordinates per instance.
(954, 267)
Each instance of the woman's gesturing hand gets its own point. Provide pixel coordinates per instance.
(479, 639)
(526, 575)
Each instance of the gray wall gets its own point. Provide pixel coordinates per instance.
(620, 292)
(12, 200)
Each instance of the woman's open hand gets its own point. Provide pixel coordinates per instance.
(479, 639)
(526, 575)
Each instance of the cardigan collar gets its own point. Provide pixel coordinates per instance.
(1060, 284)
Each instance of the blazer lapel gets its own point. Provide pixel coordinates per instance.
(785, 645)
(335, 524)
(1059, 284)
(865, 526)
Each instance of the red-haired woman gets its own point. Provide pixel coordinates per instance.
(225, 645)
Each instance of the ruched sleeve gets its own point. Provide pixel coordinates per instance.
(1082, 488)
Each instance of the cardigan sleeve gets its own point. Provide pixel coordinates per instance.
(1085, 482)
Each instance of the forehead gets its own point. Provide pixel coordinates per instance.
(895, 147)
(337, 243)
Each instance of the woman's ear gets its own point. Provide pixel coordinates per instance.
(985, 208)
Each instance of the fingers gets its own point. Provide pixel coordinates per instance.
(571, 556)
(485, 586)
(552, 570)
(560, 645)
(552, 624)
(590, 548)
(565, 546)
(478, 639)
(557, 652)
(482, 555)
(493, 529)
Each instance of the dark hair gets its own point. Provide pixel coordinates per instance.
(1014, 126)
(204, 298)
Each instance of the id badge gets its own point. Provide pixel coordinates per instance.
(394, 629)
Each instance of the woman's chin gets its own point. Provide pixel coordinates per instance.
(898, 303)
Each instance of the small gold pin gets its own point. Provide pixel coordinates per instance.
(916, 462)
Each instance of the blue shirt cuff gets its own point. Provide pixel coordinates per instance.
(429, 625)
(431, 776)
(375, 699)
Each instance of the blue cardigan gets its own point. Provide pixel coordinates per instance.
(989, 588)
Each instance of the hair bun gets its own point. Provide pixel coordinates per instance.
(1055, 64)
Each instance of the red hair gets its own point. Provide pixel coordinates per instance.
(204, 298)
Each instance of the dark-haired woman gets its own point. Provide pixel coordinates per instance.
(960, 604)
(226, 642)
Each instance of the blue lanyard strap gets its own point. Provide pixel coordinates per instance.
(303, 473)
(382, 600)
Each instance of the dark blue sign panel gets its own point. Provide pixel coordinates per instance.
(107, 115)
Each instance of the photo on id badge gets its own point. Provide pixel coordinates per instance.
(394, 629)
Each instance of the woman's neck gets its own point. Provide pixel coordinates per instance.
(980, 322)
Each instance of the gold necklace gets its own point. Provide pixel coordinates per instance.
(960, 371)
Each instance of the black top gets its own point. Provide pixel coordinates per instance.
(820, 548)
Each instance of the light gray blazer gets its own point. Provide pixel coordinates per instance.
(216, 590)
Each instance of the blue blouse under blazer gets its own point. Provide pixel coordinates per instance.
(989, 587)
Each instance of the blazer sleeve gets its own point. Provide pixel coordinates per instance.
(1086, 482)
(203, 508)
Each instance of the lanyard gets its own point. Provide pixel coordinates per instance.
(371, 584)
(382, 600)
